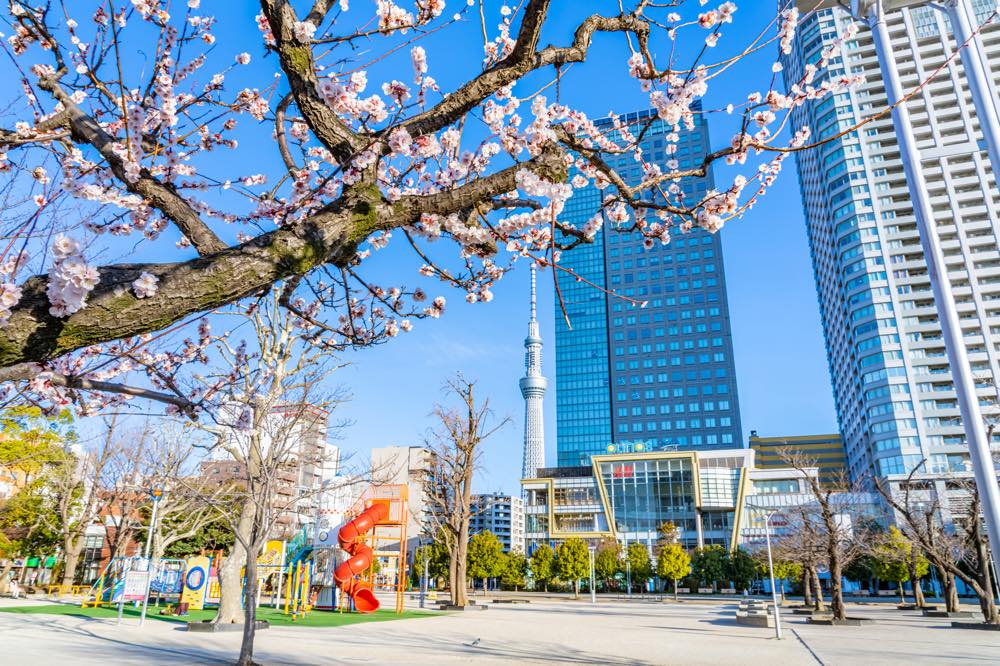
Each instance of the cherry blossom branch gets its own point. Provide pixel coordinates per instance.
(27, 372)
(519, 64)
(298, 65)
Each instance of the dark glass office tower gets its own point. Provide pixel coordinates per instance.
(661, 376)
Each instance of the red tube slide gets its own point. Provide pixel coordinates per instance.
(359, 557)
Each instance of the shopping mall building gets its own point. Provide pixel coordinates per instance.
(713, 497)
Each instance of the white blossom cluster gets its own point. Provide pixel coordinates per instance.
(70, 278)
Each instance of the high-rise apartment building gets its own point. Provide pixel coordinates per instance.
(296, 435)
(411, 466)
(662, 375)
(892, 385)
(503, 515)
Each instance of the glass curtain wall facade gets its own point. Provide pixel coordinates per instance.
(664, 374)
(628, 496)
(645, 493)
(892, 386)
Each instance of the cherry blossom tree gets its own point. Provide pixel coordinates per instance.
(368, 149)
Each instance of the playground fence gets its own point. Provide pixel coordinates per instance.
(63, 591)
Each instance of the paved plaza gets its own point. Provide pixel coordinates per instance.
(544, 631)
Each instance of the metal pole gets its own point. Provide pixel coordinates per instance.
(951, 329)
(628, 576)
(121, 599)
(281, 575)
(976, 73)
(424, 580)
(593, 593)
(145, 555)
(770, 569)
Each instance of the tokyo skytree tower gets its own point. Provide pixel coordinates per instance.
(533, 386)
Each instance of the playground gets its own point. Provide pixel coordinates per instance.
(295, 577)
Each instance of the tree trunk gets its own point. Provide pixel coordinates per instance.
(452, 568)
(902, 599)
(5, 575)
(230, 583)
(782, 581)
(249, 613)
(918, 593)
(818, 598)
(576, 588)
(546, 586)
(459, 594)
(807, 587)
(72, 547)
(837, 587)
(675, 589)
(985, 576)
(949, 590)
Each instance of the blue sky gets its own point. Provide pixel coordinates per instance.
(780, 360)
(781, 366)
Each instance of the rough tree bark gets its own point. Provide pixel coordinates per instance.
(918, 593)
(951, 603)
(230, 580)
(72, 547)
(817, 590)
(807, 599)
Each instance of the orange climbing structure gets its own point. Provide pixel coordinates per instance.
(377, 531)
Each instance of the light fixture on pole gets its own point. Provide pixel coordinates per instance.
(156, 494)
(770, 568)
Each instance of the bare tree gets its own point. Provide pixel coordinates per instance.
(270, 411)
(76, 492)
(187, 503)
(956, 551)
(455, 452)
(801, 543)
(835, 519)
(124, 489)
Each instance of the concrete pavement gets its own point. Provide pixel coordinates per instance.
(615, 633)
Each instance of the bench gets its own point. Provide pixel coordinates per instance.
(755, 613)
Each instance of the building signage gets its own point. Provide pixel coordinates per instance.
(623, 471)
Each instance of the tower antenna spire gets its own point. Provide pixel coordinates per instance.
(533, 292)
(533, 386)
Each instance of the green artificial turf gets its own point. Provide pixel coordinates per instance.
(315, 618)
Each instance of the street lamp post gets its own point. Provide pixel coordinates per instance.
(628, 576)
(424, 579)
(593, 593)
(770, 570)
(873, 11)
(155, 494)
